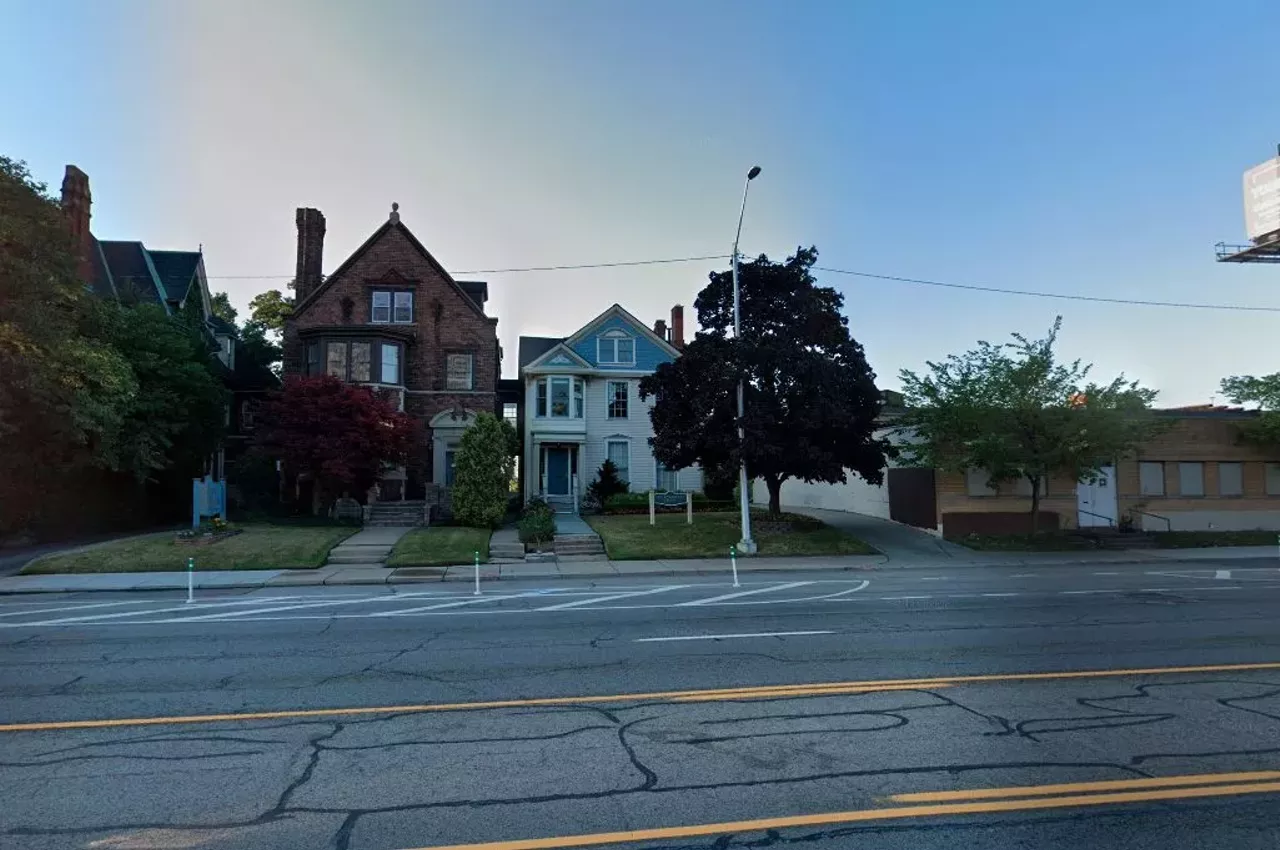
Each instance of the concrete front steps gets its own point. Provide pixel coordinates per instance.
(397, 514)
(578, 544)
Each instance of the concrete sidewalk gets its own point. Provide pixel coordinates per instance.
(595, 569)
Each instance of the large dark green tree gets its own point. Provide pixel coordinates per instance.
(1262, 393)
(811, 400)
(1015, 412)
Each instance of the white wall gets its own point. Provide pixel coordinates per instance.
(855, 495)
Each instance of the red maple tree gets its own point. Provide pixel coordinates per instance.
(342, 436)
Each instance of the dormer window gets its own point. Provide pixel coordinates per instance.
(615, 348)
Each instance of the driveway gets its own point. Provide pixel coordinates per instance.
(897, 541)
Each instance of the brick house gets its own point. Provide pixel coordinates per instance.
(1194, 476)
(129, 272)
(391, 317)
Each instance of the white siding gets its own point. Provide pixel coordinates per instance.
(636, 429)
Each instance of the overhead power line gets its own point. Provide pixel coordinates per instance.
(1065, 297)
(1098, 299)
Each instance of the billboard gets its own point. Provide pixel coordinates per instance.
(1262, 199)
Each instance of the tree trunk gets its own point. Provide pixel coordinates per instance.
(774, 483)
(1035, 506)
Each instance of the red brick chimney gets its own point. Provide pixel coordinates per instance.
(677, 326)
(76, 202)
(660, 328)
(310, 252)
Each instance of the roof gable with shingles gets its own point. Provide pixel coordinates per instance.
(377, 236)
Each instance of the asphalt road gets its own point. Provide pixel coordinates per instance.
(1122, 706)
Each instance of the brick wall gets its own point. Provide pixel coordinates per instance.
(445, 322)
(1207, 440)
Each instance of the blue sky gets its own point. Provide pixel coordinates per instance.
(1091, 148)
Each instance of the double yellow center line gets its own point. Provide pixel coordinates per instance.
(939, 804)
(816, 689)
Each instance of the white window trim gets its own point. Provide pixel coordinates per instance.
(608, 398)
(620, 438)
(574, 383)
(471, 370)
(395, 296)
(373, 307)
(612, 337)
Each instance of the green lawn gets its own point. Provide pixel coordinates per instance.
(259, 547)
(631, 538)
(440, 545)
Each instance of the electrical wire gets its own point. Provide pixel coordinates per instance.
(1098, 299)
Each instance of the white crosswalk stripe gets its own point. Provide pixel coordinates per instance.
(580, 603)
(770, 589)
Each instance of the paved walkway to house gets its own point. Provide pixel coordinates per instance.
(893, 539)
(572, 524)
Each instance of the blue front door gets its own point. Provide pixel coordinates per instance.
(558, 472)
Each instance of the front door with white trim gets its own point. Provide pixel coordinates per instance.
(1096, 503)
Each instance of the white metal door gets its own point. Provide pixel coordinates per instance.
(1096, 503)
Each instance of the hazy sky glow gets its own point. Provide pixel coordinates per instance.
(1091, 148)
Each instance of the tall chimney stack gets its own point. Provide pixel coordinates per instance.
(76, 203)
(310, 252)
(677, 326)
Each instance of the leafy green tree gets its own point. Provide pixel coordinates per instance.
(483, 466)
(62, 393)
(220, 303)
(811, 399)
(1015, 412)
(176, 418)
(1263, 393)
(269, 310)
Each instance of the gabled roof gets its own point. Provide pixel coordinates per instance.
(617, 310)
(176, 270)
(390, 224)
(559, 354)
(130, 270)
(533, 347)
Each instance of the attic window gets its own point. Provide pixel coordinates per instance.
(392, 307)
(616, 349)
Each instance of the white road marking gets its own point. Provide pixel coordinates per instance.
(474, 600)
(1106, 574)
(299, 606)
(1221, 574)
(81, 607)
(935, 578)
(1025, 575)
(581, 602)
(729, 637)
(771, 587)
(906, 597)
(999, 594)
(1081, 592)
(98, 617)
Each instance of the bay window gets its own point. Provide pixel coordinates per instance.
(390, 363)
(559, 398)
(360, 361)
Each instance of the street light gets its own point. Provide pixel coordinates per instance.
(746, 545)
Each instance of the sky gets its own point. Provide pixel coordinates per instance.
(1084, 149)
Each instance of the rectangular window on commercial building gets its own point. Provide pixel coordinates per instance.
(1273, 479)
(1191, 479)
(1230, 479)
(1151, 478)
